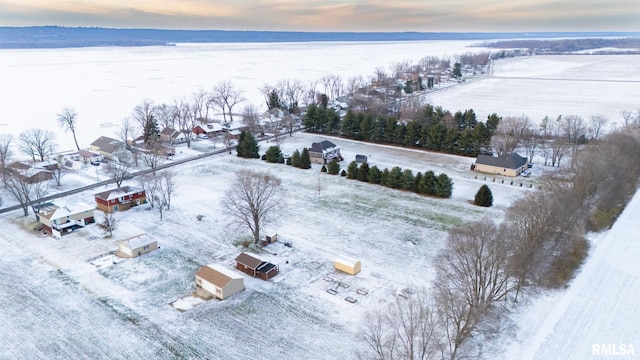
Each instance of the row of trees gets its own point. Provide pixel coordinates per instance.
(433, 129)
(485, 267)
(428, 183)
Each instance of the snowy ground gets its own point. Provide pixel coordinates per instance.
(56, 304)
(60, 305)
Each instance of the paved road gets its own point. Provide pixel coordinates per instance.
(138, 173)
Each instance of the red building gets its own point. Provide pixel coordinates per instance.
(120, 199)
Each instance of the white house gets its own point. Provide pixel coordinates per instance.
(137, 245)
(219, 281)
(58, 220)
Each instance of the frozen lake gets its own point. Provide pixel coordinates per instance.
(105, 84)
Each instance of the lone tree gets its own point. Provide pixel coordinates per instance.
(484, 197)
(68, 119)
(251, 198)
(37, 143)
(247, 146)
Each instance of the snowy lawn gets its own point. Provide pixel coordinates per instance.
(395, 234)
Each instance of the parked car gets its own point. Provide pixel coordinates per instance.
(203, 136)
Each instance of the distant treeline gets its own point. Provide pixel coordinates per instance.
(568, 45)
(63, 37)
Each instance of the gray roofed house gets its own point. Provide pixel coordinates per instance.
(110, 148)
(511, 164)
(324, 151)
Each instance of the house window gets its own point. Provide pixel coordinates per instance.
(146, 247)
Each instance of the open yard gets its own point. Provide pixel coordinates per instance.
(72, 307)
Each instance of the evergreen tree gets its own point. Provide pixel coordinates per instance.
(444, 186)
(484, 197)
(363, 172)
(151, 131)
(305, 160)
(352, 170)
(295, 158)
(333, 167)
(248, 146)
(343, 173)
(273, 154)
(416, 182)
(407, 179)
(384, 175)
(349, 126)
(457, 70)
(374, 175)
(394, 180)
(427, 184)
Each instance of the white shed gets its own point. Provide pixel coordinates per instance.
(219, 281)
(137, 245)
(347, 265)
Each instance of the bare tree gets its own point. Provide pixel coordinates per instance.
(143, 112)
(37, 142)
(407, 329)
(251, 118)
(226, 96)
(165, 188)
(509, 133)
(127, 133)
(109, 224)
(574, 131)
(184, 116)
(153, 152)
(199, 105)
(6, 154)
(58, 172)
(252, 197)
(119, 171)
(227, 141)
(311, 92)
(354, 84)
(598, 122)
(293, 92)
(20, 189)
(68, 119)
(37, 192)
(165, 115)
(150, 186)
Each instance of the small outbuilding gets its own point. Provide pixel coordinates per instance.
(255, 267)
(137, 245)
(347, 265)
(219, 281)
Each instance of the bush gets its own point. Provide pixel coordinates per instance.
(564, 267)
(352, 170)
(484, 197)
(295, 159)
(323, 169)
(374, 175)
(343, 173)
(273, 154)
(334, 167)
(363, 172)
(305, 160)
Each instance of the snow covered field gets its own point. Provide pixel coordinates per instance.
(56, 304)
(60, 305)
(552, 85)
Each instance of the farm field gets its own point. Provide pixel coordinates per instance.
(71, 307)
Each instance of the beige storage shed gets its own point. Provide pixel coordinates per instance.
(347, 265)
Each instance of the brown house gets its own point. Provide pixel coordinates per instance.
(28, 173)
(120, 199)
(256, 267)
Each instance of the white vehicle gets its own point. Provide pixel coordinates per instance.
(203, 136)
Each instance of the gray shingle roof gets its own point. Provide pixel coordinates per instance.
(507, 161)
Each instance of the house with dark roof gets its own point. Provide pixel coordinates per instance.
(30, 173)
(256, 267)
(511, 164)
(219, 281)
(120, 199)
(324, 151)
(172, 136)
(111, 149)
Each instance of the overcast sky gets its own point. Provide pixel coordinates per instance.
(331, 15)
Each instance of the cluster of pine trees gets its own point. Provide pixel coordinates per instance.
(428, 183)
(433, 129)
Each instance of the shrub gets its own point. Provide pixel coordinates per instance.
(343, 173)
(352, 170)
(484, 197)
(323, 169)
(333, 168)
(273, 154)
(305, 160)
(295, 158)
